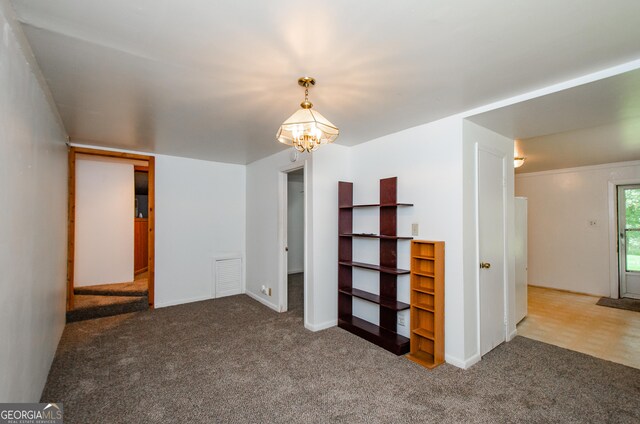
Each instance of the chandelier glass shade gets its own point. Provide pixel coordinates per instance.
(307, 129)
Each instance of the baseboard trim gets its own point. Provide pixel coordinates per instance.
(322, 326)
(566, 291)
(263, 301)
(512, 335)
(462, 363)
(181, 301)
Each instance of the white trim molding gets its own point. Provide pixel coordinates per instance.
(263, 301)
(462, 363)
(321, 326)
(181, 301)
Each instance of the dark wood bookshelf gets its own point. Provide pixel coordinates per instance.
(376, 236)
(384, 302)
(385, 334)
(375, 205)
(387, 339)
(383, 269)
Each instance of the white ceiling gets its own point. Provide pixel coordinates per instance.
(214, 80)
(589, 124)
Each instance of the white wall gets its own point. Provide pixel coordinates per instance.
(295, 225)
(565, 252)
(427, 161)
(200, 214)
(33, 230)
(264, 243)
(323, 170)
(104, 222)
(477, 136)
(436, 172)
(330, 164)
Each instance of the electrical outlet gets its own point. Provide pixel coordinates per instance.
(592, 223)
(401, 322)
(263, 289)
(414, 229)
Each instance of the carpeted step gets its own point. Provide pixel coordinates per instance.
(92, 306)
(137, 288)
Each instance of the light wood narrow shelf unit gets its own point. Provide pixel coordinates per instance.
(427, 303)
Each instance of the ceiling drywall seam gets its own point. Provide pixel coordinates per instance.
(585, 168)
(7, 11)
(554, 88)
(78, 37)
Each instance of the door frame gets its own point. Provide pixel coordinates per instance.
(614, 262)
(145, 169)
(505, 268)
(621, 259)
(283, 303)
(73, 152)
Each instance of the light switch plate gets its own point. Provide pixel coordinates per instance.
(414, 229)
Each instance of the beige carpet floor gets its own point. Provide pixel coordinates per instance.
(233, 360)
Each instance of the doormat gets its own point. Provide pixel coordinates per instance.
(624, 303)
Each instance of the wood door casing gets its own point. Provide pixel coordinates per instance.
(73, 150)
(141, 245)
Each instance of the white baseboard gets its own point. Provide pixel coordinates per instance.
(321, 326)
(462, 363)
(295, 271)
(181, 301)
(511, 335)
(263, 301)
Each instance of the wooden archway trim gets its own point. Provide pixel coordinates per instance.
(71, 223)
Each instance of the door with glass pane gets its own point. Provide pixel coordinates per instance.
(629, 240)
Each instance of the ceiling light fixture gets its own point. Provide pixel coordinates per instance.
(307, 129)
(518, 161)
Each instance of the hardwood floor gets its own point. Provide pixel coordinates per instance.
(575, 322)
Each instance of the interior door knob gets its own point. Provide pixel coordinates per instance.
(485, 265)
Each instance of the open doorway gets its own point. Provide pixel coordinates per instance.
(579, 173)
(295, 242)
(111, 238)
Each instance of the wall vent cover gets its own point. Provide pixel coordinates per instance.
(228, 277)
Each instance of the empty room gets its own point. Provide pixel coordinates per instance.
(362, 211)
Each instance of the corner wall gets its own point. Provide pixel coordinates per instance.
(323, 169)
(474, 136)
(427, 161)
(33, 228)
(262, 225)
(200, 215)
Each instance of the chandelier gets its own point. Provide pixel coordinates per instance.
(307, 129)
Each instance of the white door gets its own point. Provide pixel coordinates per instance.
(629, 240)
(491, 243)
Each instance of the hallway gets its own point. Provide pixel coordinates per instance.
(574, 321)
